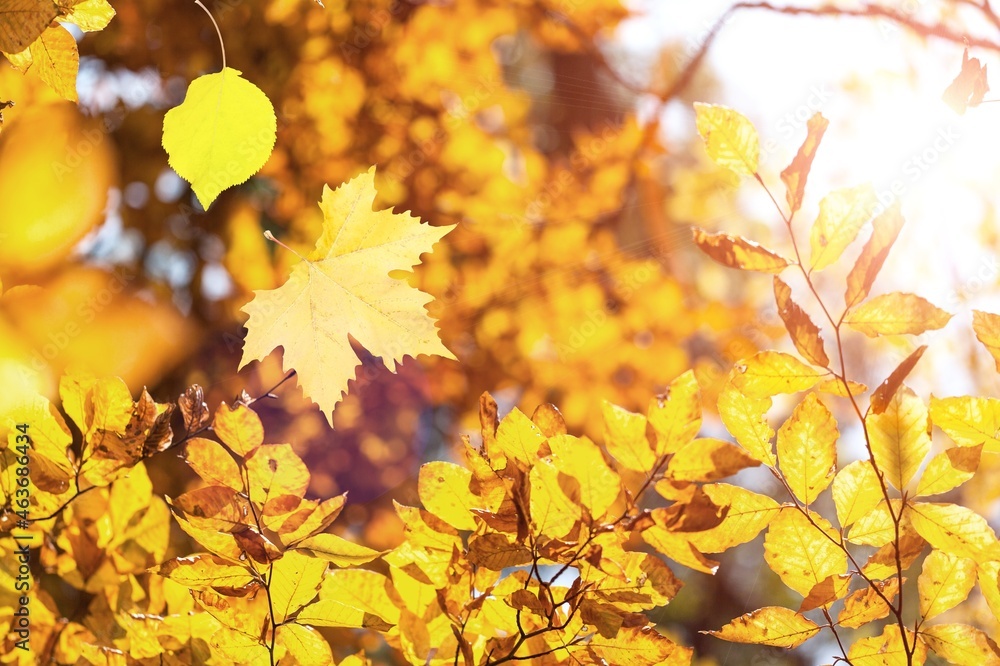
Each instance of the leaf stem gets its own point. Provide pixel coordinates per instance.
(269, 236)
(222, 44)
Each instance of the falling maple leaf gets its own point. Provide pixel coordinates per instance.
(343, 288)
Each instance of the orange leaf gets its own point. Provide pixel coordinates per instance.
(885, 229)
(737, 252)
(987, 328)
(804, 333)
(887, 389)
(795, 175)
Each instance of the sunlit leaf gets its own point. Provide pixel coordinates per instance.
(293, 582)
(801, 551)
(730, 138)
(804, 333)
(896, 314)
(987, 328)
(969, 421)
(769, 373)
(344, 288)
(807, 449)
(949, 469)
(795, 174)
(899, 437)
(885, 229)
(842, 213)
(955, 529)
(221, 134)
(887, 389)
(772, 625)
(746, 419)
(867, 605)
(738, 252)
(945, 581)
(856, 491)
(962, 645)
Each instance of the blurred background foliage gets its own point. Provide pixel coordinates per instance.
(568, 280)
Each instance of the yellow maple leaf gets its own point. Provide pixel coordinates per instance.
(343, 288)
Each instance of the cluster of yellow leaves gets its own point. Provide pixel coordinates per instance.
(521, 552)
(31, 37)
(879, 501)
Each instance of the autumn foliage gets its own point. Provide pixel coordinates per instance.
(521, 437)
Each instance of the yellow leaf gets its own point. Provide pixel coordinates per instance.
(221, 134)
(239, 428)
(305, 645)
(240, 648)
(826, 592)
(50, 468)
(89, 15)
(635, 646)
(344, 288)
(581, 459)
(444, 491)
(769, 373)
(945, 581)
(987, 328)
(837, 388)
(867, 605)
(842, 213)
(882, 563)
(746, 420)
(679, 548)
(275, 471)
(897, 313)
(730, 138)
(518, 438)
(625, 438)
(856, 491)
(676, 415)
(352, 598)
(877, 527)
(553, 514)
(804, 333)
(738, 252)
(955, 530)
(213, 463)
(989, 584)
(899, 437)
(56, 61)
(340, 551)
(794, 176)
(885, 229)
(949, 469)
(748, 513)
(969, 421)
(204, 571)
(800, 553)
(961, 645)
(771, 625)
(886, 650)
(707, 459)
(293, 582)
(22, 22)
(807, 449)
